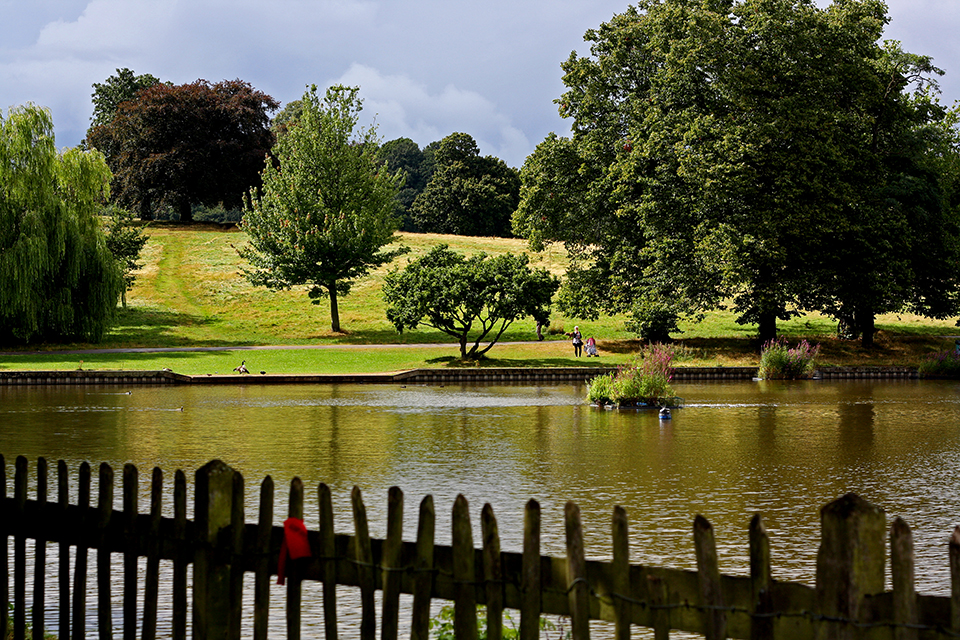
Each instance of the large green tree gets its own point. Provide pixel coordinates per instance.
(325, 212)
(58, 280)
(470, 298)
(468, 194)
(721, 147)
(109, 94)
(180, 145)
(405, 156)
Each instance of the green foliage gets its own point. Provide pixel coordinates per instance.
(764, 152)
(179, 145)
(441, 625)
(404, 156)
(125, 240)
(473, 298)
(325, 212)
(122, 87)
(58, 279)
(942, 363)
(645, 380)
(467, 195)
(778, 361)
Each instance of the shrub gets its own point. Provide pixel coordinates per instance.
(779, 362)
(942, 363)
(645, 380)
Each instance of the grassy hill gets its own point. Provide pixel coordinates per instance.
(190, 293)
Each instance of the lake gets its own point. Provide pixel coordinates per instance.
(783, 449)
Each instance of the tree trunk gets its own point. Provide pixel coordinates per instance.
(866, 325)
(334, 309)
(186, 213)
(463, 346)
(767, 329)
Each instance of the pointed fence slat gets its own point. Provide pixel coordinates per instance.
(181, 557)
(104, 582)
(659, 602)
(530, 578)
(708, 574)
(237, 522)
(63, 570)
(20, 552)
(294, 592)
(464, 573)
(4, 561)
(761, 581)
(151, 588)
(80, 571)
(621, 573)
(492, 572)
(392, 548)
(261, 581)
(363, 555)
(902, 574)
(578, 589)
(328, 562)
(40, 558)
(130, 490)
(955, 580)
(423, 571)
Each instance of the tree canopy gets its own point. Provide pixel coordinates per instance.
(108, 95)
(58, 280)
(325, 211)
(416, 167)
(179, 145)
(473, 298)
(746, 151)
(467, 194)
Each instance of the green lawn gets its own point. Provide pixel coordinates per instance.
(190, 293)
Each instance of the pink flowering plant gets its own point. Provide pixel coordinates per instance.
(645, 380)
(942, 363)
(778, 361)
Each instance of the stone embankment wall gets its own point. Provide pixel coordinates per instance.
(420, 376)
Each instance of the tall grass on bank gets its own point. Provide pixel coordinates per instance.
(644, 380)
(943, 363)
(780, 362)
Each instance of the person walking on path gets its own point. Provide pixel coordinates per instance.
(577, 342)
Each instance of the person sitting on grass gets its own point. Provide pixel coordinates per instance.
(592, 347)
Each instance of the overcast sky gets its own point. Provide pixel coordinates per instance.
(425, 68)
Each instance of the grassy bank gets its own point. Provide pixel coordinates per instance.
(190, 293)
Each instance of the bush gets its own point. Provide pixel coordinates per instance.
(646, 380)
(942, 363)
(779, 362)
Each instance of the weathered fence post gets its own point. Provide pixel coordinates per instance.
(423, 566)
(578, 589)
(621, 573)
(761, 580)
(212, 593)
(708, 574)
(464, 573)
(955, 580)
(902, 572)
(492, 572)
(530, 596)
(850, 562)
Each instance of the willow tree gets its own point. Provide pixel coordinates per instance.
(58, 279)
(326, 208)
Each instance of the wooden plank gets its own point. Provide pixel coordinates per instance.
(151, 586)
(905, 613)
(464, 573)
(761, 580)
(708, 576)
(328, 562)
(131, 486)
(621, 574)
(63, 570)
(212, 608)
(423, 571)
(20, 552)
(363, 555)
(261, 580)
(578, 590)
(237, 521)
(530, 595)
(392, 567)
(104, 511)
(294, 578)
(182, 557)
(659, 600)
(955, 580)
(40, 558)
(80, 569)
(492, 572)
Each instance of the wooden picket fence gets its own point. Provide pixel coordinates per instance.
(848, 600)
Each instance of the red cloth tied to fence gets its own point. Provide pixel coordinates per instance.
(295, 545)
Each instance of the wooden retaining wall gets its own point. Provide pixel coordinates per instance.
(478, 375)
(226, 549)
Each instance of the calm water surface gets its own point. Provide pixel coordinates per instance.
(781, 449)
